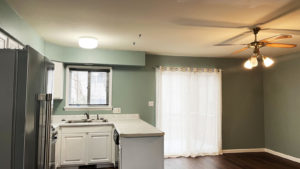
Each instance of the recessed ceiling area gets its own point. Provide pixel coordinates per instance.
(118, 23)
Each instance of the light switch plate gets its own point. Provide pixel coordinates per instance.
(151, 103)
(117, 110)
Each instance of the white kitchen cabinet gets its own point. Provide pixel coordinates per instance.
(58, 81)
(12, 44)
(3, 41)
(20, 46)
(85, 145)
(99, 147)
(73, 149)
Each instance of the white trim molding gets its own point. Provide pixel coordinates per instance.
(288, 157)
(257, 150)
(250, 150)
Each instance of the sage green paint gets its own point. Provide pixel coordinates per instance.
(133, 87)
(94, 56)
(243, 124)
(282, 105)
(18, 28)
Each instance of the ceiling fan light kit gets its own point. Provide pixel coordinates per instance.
(248, 64)
(253, 61)
(267, 61)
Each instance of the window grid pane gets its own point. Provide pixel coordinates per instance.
(98, 88)
(78, 87)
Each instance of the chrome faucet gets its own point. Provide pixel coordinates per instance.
(87, 115)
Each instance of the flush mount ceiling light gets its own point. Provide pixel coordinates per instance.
(88, 42)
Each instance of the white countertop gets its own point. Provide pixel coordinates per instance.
(126, 127)
(136, 128)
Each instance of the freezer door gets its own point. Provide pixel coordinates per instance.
(7, 89)
(44, 139)
(34, 111)
(45, 112)
(49, 73)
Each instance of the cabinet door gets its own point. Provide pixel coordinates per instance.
(73, 149)
(20, 46)
(12, 44)
(3, 41)
(99, 147)
(58, 80)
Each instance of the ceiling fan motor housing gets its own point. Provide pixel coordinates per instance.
(256, 30)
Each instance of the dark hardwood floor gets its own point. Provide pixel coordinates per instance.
(232, 161)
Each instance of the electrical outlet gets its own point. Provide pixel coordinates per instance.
(117, 110)
(151, 103)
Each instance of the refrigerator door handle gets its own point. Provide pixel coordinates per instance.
(41, 97)
(45, 97)
(48, 130)
(48, 100)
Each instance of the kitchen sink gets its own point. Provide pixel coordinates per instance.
(80, 121)
(100, 121)
(87, 121)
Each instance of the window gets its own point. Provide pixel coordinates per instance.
(88, 88)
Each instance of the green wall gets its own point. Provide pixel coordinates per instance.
(133, 87)
(282, 105)
(94, 56)
(18, 28)
(13, 24)
(243, 124)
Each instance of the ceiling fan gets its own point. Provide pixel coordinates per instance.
(257, 44)
(290, 7)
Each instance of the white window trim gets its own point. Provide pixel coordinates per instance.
(82, 108)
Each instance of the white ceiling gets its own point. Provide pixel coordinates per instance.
(117, 24)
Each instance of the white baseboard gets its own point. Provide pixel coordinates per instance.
(295, 159)
(256, 150)
(250, 150)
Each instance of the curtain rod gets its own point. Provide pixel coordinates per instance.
(176, 68)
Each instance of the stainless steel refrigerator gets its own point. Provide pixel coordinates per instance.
(25, 109)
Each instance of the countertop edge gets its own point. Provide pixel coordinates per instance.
(130, 135)
(142, 135)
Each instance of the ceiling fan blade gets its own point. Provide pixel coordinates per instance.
(277, 37)
(228, 44)
(289, 31)
(240, 50)
(281, 45)
(286, 9)
(207, 23)
(235, 38)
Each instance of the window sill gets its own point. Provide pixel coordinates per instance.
(69, 108)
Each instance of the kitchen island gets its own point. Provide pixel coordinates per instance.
(91, 143)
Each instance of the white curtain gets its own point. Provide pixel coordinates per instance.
(189, 110)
